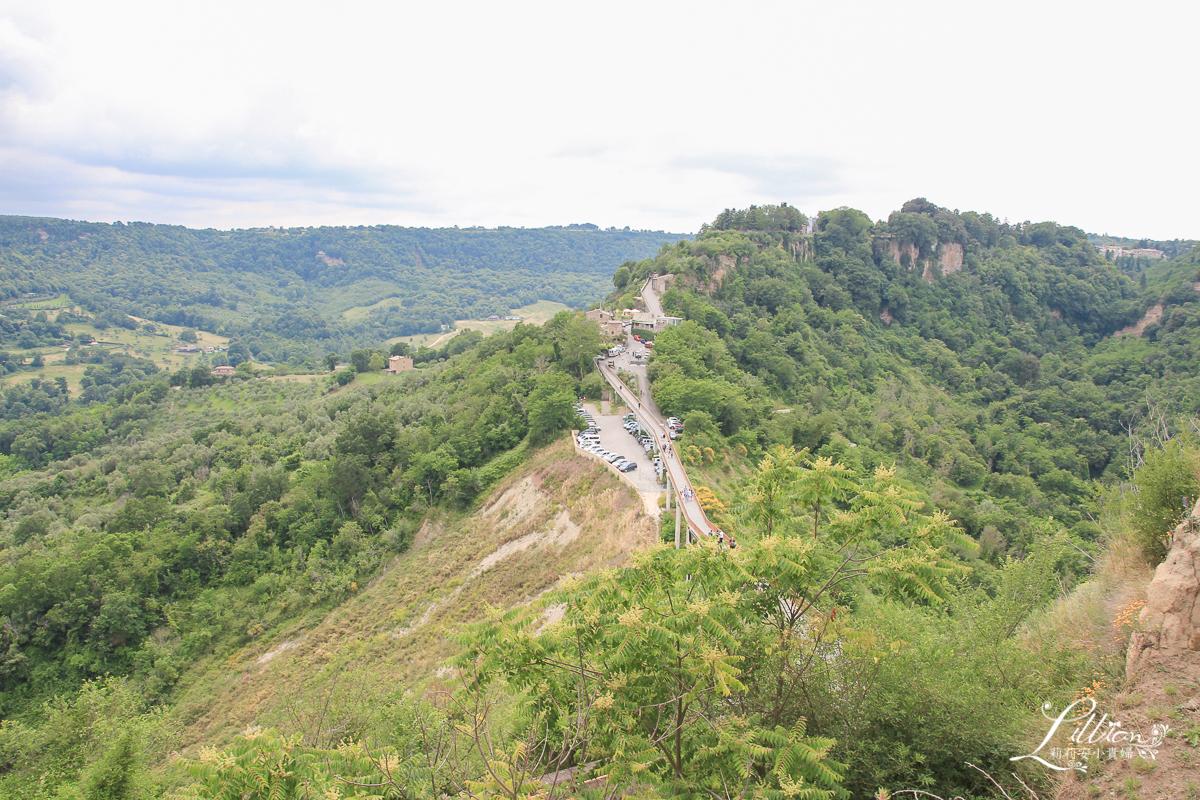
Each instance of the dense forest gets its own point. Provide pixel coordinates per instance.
(979, 356)
(282, 291)
(922, 431)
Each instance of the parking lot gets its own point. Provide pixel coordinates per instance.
(615, 439)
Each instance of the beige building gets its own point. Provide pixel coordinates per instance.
(599, 315)
(1135, 252)
(648, 322)
(613, 329)
(399, 364)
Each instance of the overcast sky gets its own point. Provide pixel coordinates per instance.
(650, 114)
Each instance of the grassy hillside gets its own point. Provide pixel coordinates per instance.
(557, 515)
(156, 343)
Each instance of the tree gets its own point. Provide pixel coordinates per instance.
(680, 672)
(621, 276)
(200, 376)
(361, 360)
(237, 353)
(331, 361)
(772, 489)
(551, 407)
(918, 230)
(264, 765)
(649, 660)
(822, 481)
(114, 776)
(188, 336)
(577, 341)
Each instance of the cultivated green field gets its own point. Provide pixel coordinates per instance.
(41, 303)
(535, 313)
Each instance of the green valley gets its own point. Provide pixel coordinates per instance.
(951, 450)
(290, 295)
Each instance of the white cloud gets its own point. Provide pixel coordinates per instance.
(655, 116)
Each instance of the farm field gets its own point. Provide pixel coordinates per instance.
(535, 313)
(358, 312)
(40, 303)
(157, 347)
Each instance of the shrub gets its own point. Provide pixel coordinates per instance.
(1160, 485)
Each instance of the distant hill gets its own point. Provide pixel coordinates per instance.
(281, 290)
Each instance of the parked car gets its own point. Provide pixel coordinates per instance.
(628, 466)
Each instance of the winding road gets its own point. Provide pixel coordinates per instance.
(642, 406)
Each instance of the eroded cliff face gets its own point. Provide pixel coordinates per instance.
(948, 258)
(1162, 670)
(897, 252)
(1171, 618)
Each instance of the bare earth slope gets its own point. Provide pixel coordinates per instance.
(557, 515)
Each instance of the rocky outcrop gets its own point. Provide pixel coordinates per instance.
(725, 265)
(1171, 619)
(897, 252)
(949, 258)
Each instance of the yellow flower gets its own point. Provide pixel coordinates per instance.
(631, 618)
